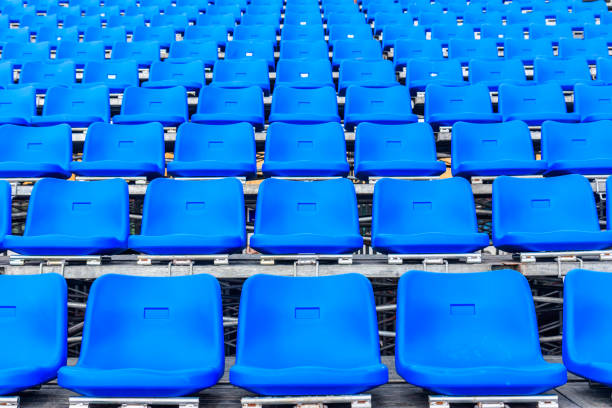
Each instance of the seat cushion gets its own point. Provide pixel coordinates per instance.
(536, 119)
(53, 244)
(116, 168)
(79, 121)
(15, 379)
(305, 168)
(304, 118)
(305, 243)
(588, 167)
(448, 119)
(353, 119)
(211, 168)
(500, 168)
(167, 120)
(228, 118)
(185, 244)
(429, 243)
(554, 241)
(391, 168)
(25, 170)
(189, 85)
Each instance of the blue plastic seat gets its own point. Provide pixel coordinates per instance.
(393, 33)
(377, 105)
(35, 312)
(525, 19)
(534, 104)
(305, 150)
(82, 23)
(177, 22)
(6, 75)
(371, 74)
(445, 33)
(242, 74)
(81, 53)
(215, 33)
(116, 75)
(406, 50)
(349, 32)
(465, 50)
(579, 148)
(345, 50)
(214, 151)
(108, 35)
(192, 217)
(34, 152)
(604, 70)
(304, 50)
(435, 216)
(502, 32)
(44, 74)
(56, 35)
(297, 217)
(303, 33)
(395, 151)
(597, 30)
(305, 73)
(439, 338)
(122, 151)
(428, 19)
(589, 49)
(473, 15)
(14, 35)
(225, 20)
(219, 106)
(78, 107)
(549, 214)
(384, 20)
(233, 9)
(586, 327)
(20, 53)
(494, 73)
(316, 315)
(96, 10)
(304, 106)
(445, 105)
(167, 106)
(17, 106)
(493, 149)
(527, 50)
(204, 50)
(147, 12)
(168, 74)
(550, 32)
(300, 18)
(593, 103)
(255, 33)
(74, 218)
(251, 50)
(566, 74)
(153, 359)
(35, 22)
(143, 52)
(268, 18)
(163, 35)
(128, 22)
(421, 73)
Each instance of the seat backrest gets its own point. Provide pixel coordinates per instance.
(549, 69)
(86, 51)
(300, 49)
(289, 70)
(361, 99)
(215, 33)
(150, 317)
(15, 35)
(229, 143)
(79, 208)
(23, 52)
(592, 99)
(108, 35)
(255, 49)
(34, 311)
(200, 207)
(417, 206)
(466, 324)
(498, 71)
(161, 101)
(363, 49)
(225, 20)
(214, 99)
(57, 34)
(350, 32)
(163, 34)
(593, 30)
(136, 50)
(168, 70)
(417, 49)
(92, 101)
(356, 70)
(554, 32)
(538, 205)
(111, 72)
(255, 33)
(576, 141)
(464, 50)
(129, 22)
(421, 70)
(296, 100)
(240, 70)
(51, 144)
(546, 98)
(320, 142)
(203, 49)
(18, 102)
(500, 32)
(445, 33)
(457, 99)
(320, 207)
(527, 49)
(48, 72)
(316, 321)
(593, 48)
(172, 20)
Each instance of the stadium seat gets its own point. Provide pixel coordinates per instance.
(44, 74)
(220, 106)
(585, 49)
(406, 50)
(302, 33)
(597, 30)
(35, 152)
(143, 52)
(416, 216)
(269, 18)
(233, 10)
(516, 17)
(465, 50)
(303, 217)
(384, 20)
(78, 107)
(550, 32)
(14, 35)
(116, 75)
(421, 73)
(349, 32)
(549, 214)
(20, 53)
(255, 33)
(316, 315)
(82, 23)
(370, 74)
(300, 18)
(164, 35)
(34, 22)
(534, 104)
(225, 20)
(393, 33)
(80, 53)
(35, 312)
(473, 15)
(214, 151)
(586, 327)
(6, 75)
(177, 22)
(527, 50)
(593, 103)
(215, 33)
(203, 50)
(54, 35)
(143, 105)
(579, 148)
(377, 105)
(146, 11)
(445, 105)
(304, 50)
(494, 73)
(502, 32)
(493, 149)
(242, 74)
(439, 339)
(428, 19)
(251, 50)
(122, 151)
(304, 73)
(604, 70)
(192, 217)
(108, 35)
(304, 106)
(305, 150)
(74, 218)
(154, 358)
(396, 151)
(445, 33)
(345, 50)
(168, 74)
(17, 106)
(566, 74)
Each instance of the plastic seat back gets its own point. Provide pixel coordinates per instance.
(51, 73)
(544, 98)
(349, 32)
(225, 20)
(108, 35)
(255, 33)
(303, 33)
(441, 99)
(250, 50)
(214, 33)
(155, 101)
(306, 50)
(501, 32)
(56, 35)
(593, 103)
(406, 49)
(568, 73)
(92, 101)
(424, 72)
(204, 50)
(554, 32)
(164, 35)
(493, 73)
(527, 50)
(117, 75)
(17, 104)
(356, 50)
(464, 50)
(81, 53)
(306, 74)
(144, 52)
(178, 71)
(591, 49)
(20, 53)
(375, 74)
(228, 101)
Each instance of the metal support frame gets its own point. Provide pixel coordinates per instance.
(10, 402)
(356, 401)
(541, 401)
(84, 402)
(306, 259)
(134, 180)
(565, 257)
(182, 260)
(434, 259)
(55, 260)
